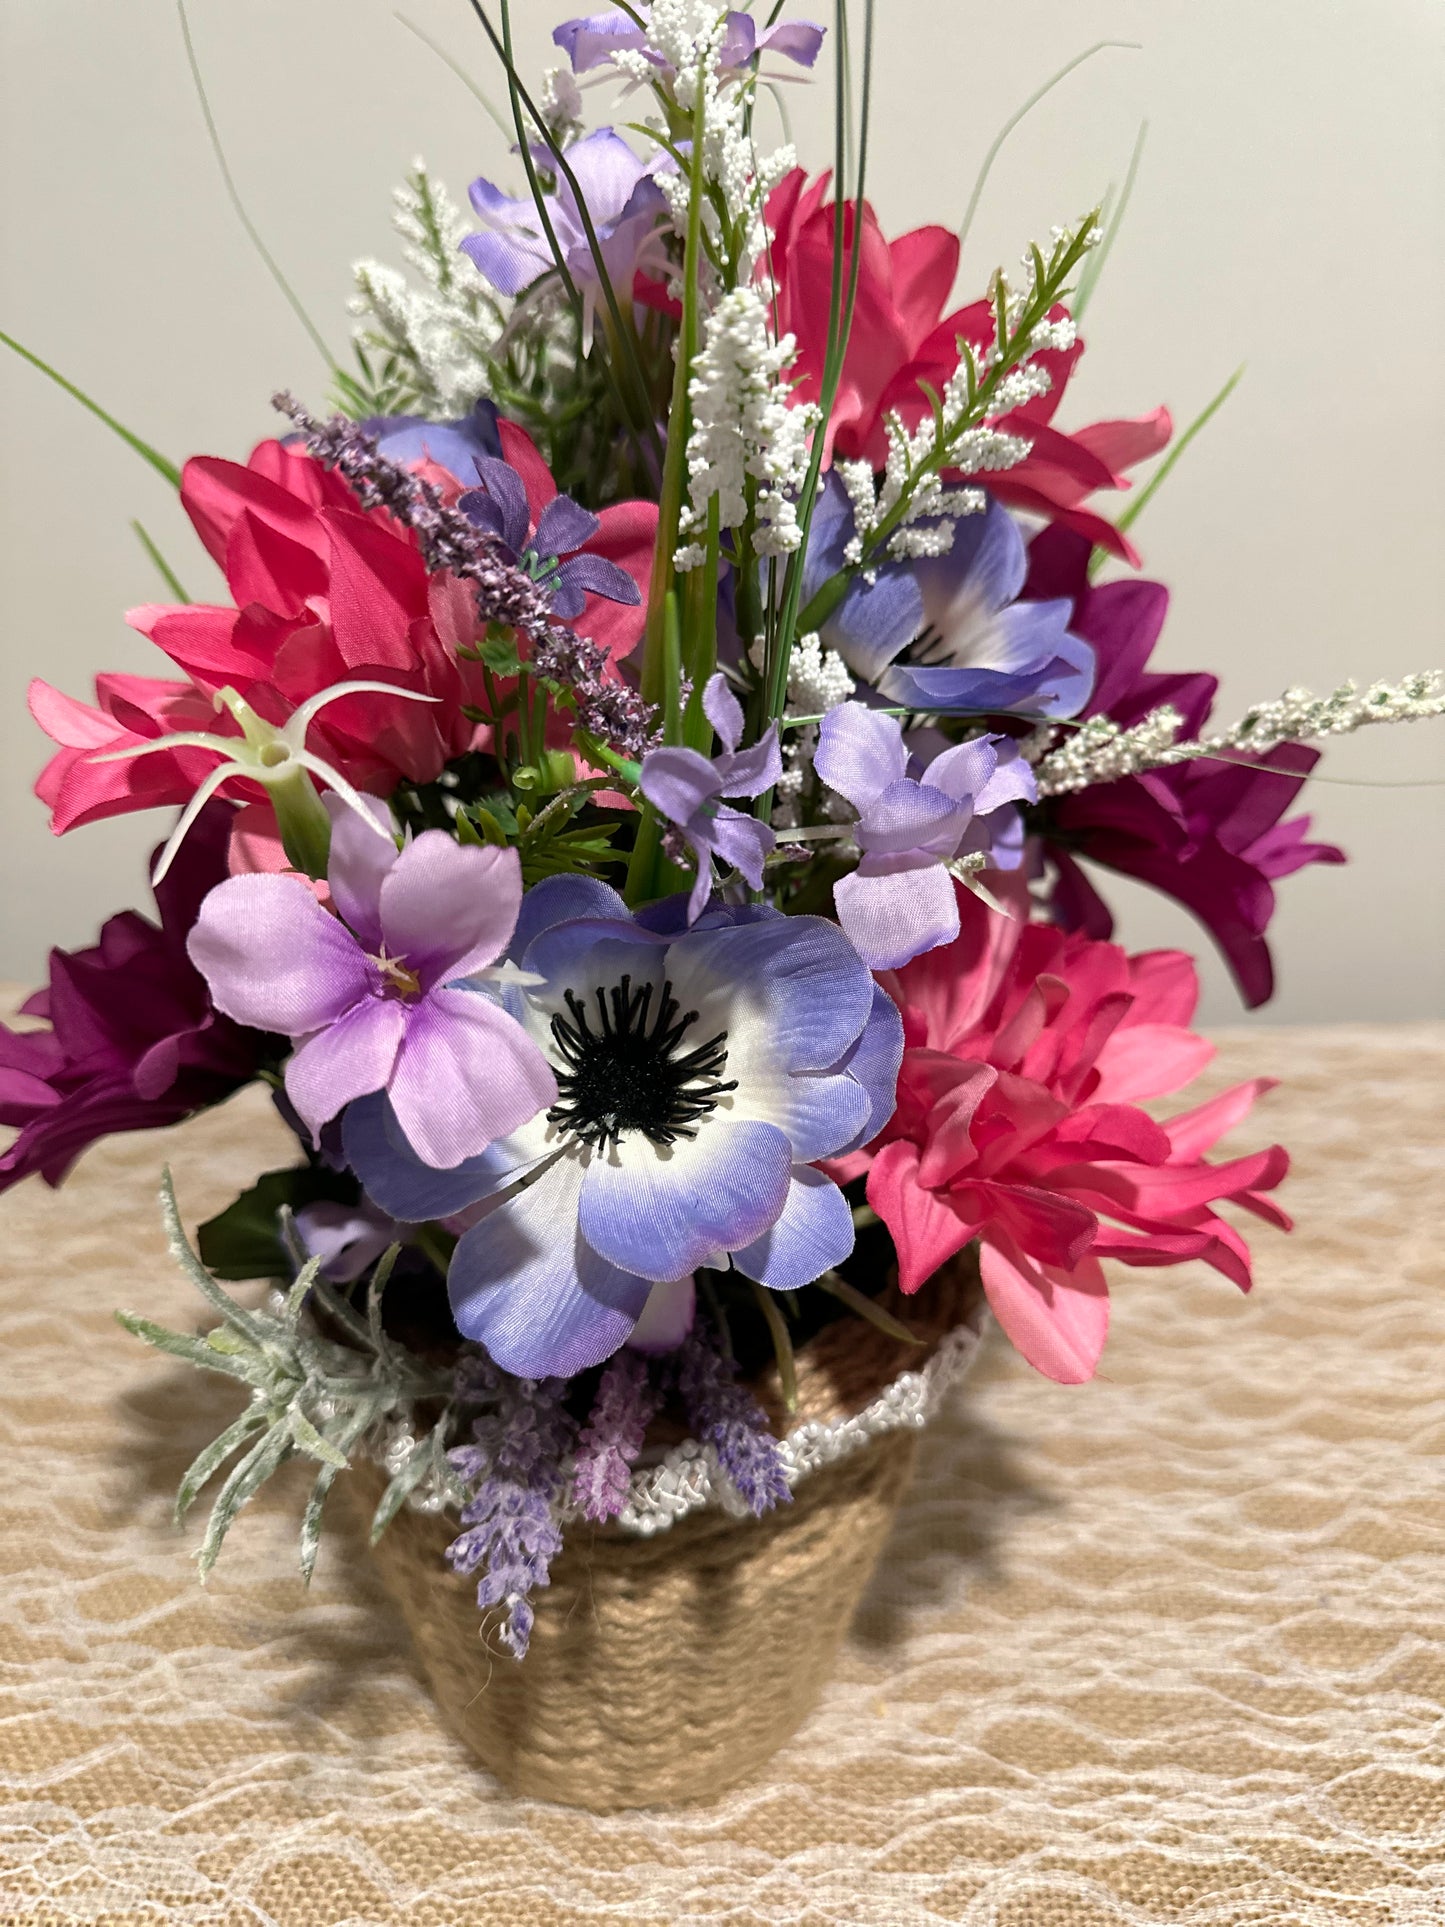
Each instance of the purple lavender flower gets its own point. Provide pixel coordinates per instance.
(510, 1520)
(625, 204)
(607, 1450)
(591, 40)
(367, 995)
(947, 634)
(134, 1041)
(554, 555)
(687, 788)
(900, 900)
(725, 1415)
(700, 1076)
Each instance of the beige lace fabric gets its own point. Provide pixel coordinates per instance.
(1163, 1649)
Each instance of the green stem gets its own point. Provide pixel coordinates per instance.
(1161, 474)
(162, 567)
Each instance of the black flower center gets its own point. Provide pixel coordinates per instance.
(634, 1072)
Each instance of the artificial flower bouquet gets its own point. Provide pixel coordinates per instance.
(642, 811)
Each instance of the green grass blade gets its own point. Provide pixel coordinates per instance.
(1166, 468)
(1021, 114)
(163, 568)
(1094, 266)
(142, 448)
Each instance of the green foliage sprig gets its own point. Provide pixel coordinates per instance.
(311, 1396)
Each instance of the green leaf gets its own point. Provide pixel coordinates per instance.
(210, 1461)
(195, 1351)
(498, 652)
(241, 1487)
(244, 1240)
(310, 1441)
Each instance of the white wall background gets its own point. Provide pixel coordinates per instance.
(1288, 216)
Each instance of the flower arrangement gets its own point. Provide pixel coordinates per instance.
(642, 811)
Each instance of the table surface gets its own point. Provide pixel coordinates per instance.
(1164, 1648)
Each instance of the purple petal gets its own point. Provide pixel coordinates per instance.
(814, 1233)
(860, 752)
(608, 173)
(483, 510)
(662, 1211)
(894, 908)
(591, 41)
(982, 572)
(913, 816)
(743, 842)
(448, 907)
(666, 1317)
(467, 1075)
(678, 782)
(345, 1237)
(394, 1176)
(723, 711)
(524, 1284)
(359, 863)
(875, 621)
(507, 490)
(740, 40)
(563, 526)
(564, 899)
(274, 959)
(748, 772)
(798, 40)
(965, 771)
(349, 1059)
(789, 991)
(590, 953)
(874, 1065)
(583, 575)
(453, 445)
(509, 263)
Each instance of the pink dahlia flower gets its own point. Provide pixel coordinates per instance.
(323, 593)
(1027, 1052)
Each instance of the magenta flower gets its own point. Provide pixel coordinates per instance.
(900, 901)
(688, 790)
(368, 995)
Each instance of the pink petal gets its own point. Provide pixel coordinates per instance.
(926, 1228)
(1194, 1132)
(1146, 1060)
(1058, 1319)
(274, 959)
(467, 1075)
(349, 1059)
(449, 907)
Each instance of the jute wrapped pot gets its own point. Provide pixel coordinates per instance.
(676, 1651)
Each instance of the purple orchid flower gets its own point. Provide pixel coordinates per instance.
(367, 996)
(687, 788)
(900, 900)
(591, 40)
(947, 633)
(625, 204)
(700, 1078)
(134, 1041)
(552, 554)
(1207, 833)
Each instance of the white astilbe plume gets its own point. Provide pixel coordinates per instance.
(1101, 752)
(688, 36)
(744, 426)
(441, 327)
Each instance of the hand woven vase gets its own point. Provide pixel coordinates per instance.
(676, 1651)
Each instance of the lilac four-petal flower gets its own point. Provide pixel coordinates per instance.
(688, 789)
(367, 996)
(553, 552)
(591, 40)
(973, 647)
(624, 202)
(900, 900)
(702, 1077)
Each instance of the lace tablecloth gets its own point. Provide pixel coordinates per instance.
(1166, 1648)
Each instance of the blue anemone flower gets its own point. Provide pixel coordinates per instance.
(947, 634)
(702, 1073)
